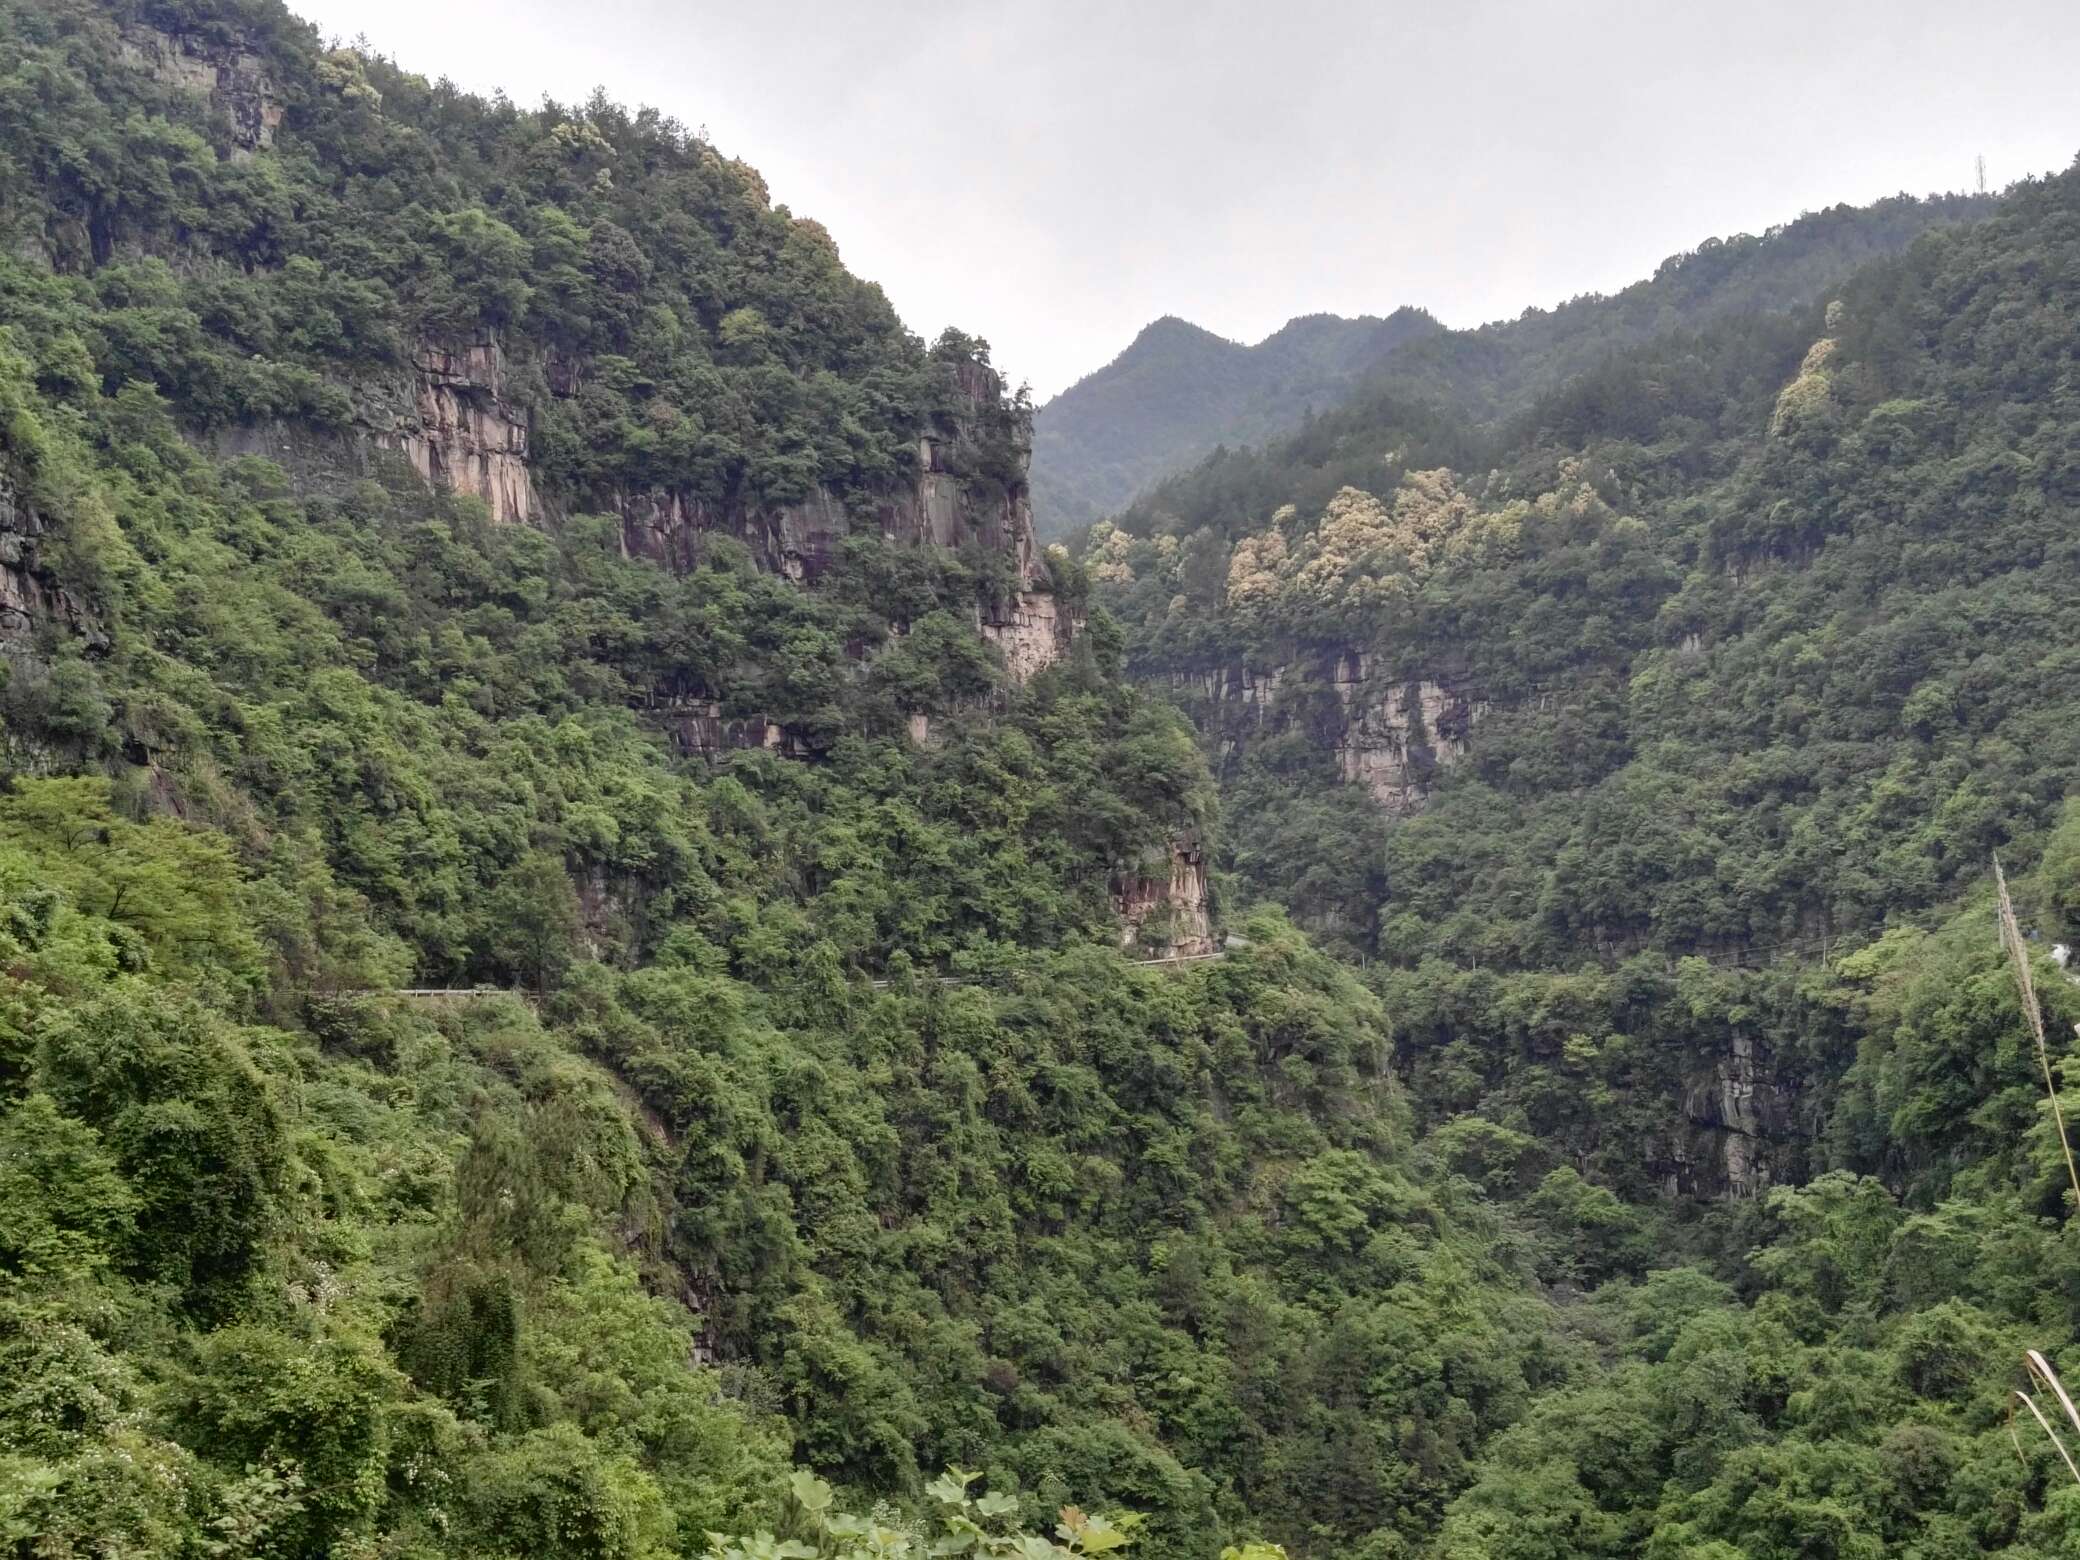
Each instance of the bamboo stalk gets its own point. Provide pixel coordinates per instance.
(2018, 958)
(2039, 1369)
(2030, 1403)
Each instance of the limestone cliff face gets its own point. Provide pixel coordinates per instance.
(1737, 1126)
(456, 420)
(797, 540)
(456, 417)
(463, 433)
(1033, 630)
(702, 731)
(1163, 904)
(450, 415)
(459, 426)
(1255, 691)
(943, 504)
(1398, 733)
(30, 596)
(1392, 732)
(233, 76)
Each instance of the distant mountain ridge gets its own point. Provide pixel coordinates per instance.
(1468, 385)
(1179, 391)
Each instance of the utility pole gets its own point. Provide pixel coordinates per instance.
(1979, 163)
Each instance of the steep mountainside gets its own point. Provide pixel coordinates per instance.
(1179, 391)
(446, 544)
(1745, 642)
(1652, 744)
(450, 546)
(1478, 381)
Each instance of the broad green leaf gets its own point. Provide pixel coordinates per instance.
(812, 1492)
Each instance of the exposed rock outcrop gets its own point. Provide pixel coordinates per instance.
(704, 732)
(1163, 905)
(451, 417)
(1033, 631)
(458, 423)
(1392, 733)
(233, 76)
(1738, 1119)
(796, 540)
(937, 506)
(607, 908)
(948, 502)
(30, 595)
(465, 434)
(1255, 690)
(1399, 733)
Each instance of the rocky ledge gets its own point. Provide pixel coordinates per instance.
(1164, 907)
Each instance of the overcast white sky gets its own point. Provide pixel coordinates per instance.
(1053, 174)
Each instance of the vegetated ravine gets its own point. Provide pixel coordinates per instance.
(446, 545)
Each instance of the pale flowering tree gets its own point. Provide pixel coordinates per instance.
(1106, 560)
(1257, 572)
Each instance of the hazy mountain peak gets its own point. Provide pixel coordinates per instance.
(1179, 389)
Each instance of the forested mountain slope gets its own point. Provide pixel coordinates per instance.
(449, 545)
(1178, 391)
(1651, 746)
(1476, 381)
(1744, 638)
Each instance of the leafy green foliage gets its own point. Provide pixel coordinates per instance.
(967, 1525)
(1755, 633)
(821, 1120)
